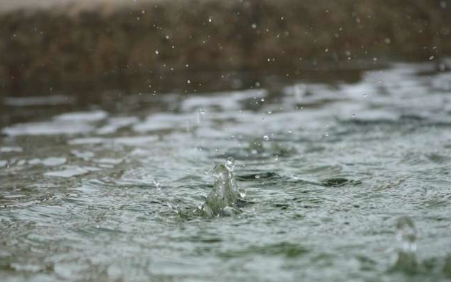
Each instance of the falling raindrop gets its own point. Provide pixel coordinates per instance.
(266, 137)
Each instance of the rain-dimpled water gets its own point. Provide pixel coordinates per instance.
(305, 180)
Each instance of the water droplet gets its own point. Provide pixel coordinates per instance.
(202, 111)
(188, 81)
(266, 137)
(230, 164)
(156, 183)
(353, 115)
(262, 99)
(406, 234)
(254, 26)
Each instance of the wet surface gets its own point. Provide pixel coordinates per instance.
(97, 192)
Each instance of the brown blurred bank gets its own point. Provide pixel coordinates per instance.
(46, 44)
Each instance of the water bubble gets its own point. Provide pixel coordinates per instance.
(266, 137)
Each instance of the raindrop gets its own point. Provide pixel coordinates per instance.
(406, 234)
(156, 183)
(266, 137)
(230, 164)
(157, 52)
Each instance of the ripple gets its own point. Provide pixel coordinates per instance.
(71, 172)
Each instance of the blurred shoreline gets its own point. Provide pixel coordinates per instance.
(57, 44)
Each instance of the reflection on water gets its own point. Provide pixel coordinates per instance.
(94, 192)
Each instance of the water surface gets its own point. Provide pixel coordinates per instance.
(105, 192)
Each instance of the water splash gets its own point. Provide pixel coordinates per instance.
(225, 195)
(406, 235)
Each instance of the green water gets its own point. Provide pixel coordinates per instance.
(106, 193)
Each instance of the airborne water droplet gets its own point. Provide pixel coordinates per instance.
(406, 234)
(230, 164)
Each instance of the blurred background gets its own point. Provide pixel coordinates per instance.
(69, 45)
